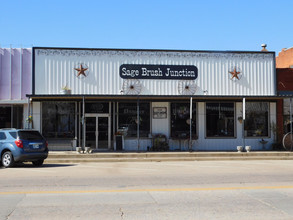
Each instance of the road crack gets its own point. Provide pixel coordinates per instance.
(13, 210)
(122, 213)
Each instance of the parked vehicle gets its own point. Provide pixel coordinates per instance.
(22, 145)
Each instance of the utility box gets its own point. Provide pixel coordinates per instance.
(119, 142)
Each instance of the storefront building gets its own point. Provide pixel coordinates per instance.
(285, 90)
(138, 100)
(15, 84)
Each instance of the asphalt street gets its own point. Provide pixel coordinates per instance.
(154, 190)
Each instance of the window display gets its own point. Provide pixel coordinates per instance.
(58, 119)
(256, 119)
(127, 119)
(220, 119)
(180, 120)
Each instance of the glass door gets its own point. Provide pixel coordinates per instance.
(97, 129)
(103, 133)
(90, 132)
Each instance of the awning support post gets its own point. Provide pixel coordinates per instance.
(291, 123)
(243, 123)
(138, 123)
(83, 123)
(190, 125)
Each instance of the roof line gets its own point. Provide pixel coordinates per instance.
(153, 50)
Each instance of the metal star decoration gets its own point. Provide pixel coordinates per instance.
(235, 73)
(81, 71)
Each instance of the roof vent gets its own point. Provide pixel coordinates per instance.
(264, 49)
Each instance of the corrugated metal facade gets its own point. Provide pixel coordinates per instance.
(54, 68)
(15, 74)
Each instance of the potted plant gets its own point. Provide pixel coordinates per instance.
(29, 119)
(239, 148)
(65, 90)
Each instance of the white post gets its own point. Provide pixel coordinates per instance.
(83, 122)
(20, 74)
(243, 116)
(10, 83)
(138, 122)
(190, 125)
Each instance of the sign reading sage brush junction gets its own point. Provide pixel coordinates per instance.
(133, 71)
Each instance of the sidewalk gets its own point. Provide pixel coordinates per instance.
(75, 157)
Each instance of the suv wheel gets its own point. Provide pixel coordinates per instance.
(7, 159)
(38, 163)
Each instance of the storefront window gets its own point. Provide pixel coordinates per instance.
(286, 116)
(220, 119)
(11, 116)
(180, 120)
(128, 118)
(58, 119)
(256, 119)
(17, 118)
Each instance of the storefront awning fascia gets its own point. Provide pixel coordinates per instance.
(285, 94)
(14, 102)
(148, 97)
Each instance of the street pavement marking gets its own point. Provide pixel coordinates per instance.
(149, 190)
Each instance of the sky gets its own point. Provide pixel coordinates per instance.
(216, 25)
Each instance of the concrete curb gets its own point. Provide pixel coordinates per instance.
(73, 157)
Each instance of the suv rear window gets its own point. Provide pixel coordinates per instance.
(13, 134)
(30, 135)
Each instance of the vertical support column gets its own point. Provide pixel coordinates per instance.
(243, 123)
(29, 113)
(76, 124)
(20, 73)
(11, 120)
(291, 123)
(79, 123)
(109, 126)
(83, 122)
(190, 125)
(138, 123)
(10, 83)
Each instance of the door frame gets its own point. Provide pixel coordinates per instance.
(97, 116)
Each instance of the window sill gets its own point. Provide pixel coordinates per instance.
(221, 137)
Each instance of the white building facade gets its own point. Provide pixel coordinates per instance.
(138, 100)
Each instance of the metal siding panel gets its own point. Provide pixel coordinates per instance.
(15, 73)
(213, 73)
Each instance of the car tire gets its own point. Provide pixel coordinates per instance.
(7, 159)
(38, 163)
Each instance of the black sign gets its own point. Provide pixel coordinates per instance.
(133, 71)
(97, 107)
